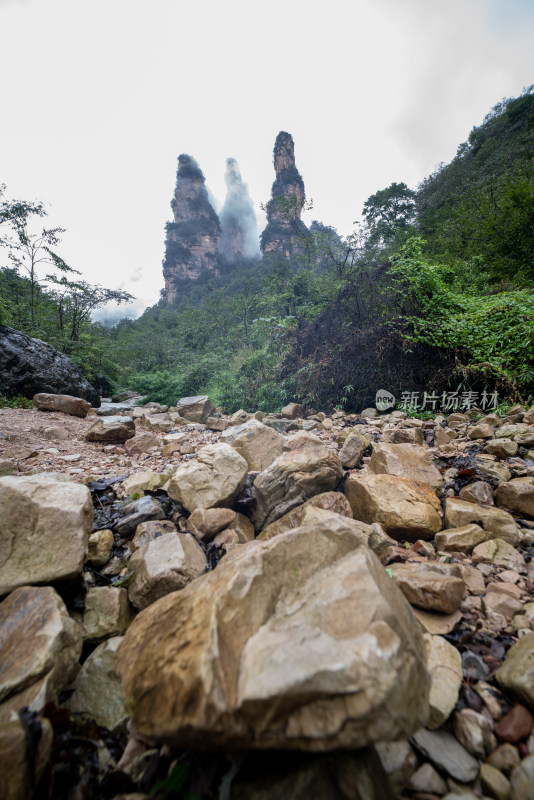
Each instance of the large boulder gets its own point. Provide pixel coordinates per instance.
(259, 444)
(22, 765)
(29, 366)
(405, 508)
(37, 639)
(195, 409)
(496, 522)
(214, 478)
(64, 403)
(44, 530)
(407, 461)
(516, 674)
(293, 478)
(301, 642)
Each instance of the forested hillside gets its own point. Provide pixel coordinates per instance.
(433, 292)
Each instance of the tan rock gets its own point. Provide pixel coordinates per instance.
(158, 423)
(195, 409)
(429, 586)
(516, 673)
(494, 783)
(353, 449)
(44, 530)
(407, 461)
(480, 431)
(435, 623)
(142, 443)
(99, 548)
(207, 522)
(511, 430)
(141, 482)
(266, 652)
(37, 638)
(164, 565)
(97, 688)
(461, 540)
(405, 508)
(302, 440)
(292, 411)
(496, 522)
(148, 531)
(473, 578)
(502, 448)
(243, 527)
(444, 663)
(213, 479)
(56, 434)
(517, 496)
(294, 477)
(111, 429)
(107, 613)
(64, 403)
(403, 436)
(500, 603)
(475, 732)
(498, 552)
(328, 501)
(257, 443)
(478, 492)
(492, 469)
(20, 768)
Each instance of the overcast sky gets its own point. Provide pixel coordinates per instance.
(99, 98)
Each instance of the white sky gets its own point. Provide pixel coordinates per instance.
(99, 98)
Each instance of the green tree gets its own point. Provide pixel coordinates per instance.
(389, 211)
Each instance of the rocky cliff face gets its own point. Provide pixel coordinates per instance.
(239, 232)
(285, 232)
(193, 239)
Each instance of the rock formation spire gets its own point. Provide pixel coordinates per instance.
(239, 231)
(193, 239)
(285, 232)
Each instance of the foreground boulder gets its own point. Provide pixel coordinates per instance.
(64, 403)
(44, 529)
(37, 639)
(257, 443)
(407, 461)
(405, 508)
(29, 366)
(214, 478)
(21, 766)
(293, 478)
(494, 521)
(301, 642)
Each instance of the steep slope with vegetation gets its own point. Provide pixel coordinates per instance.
(433, 292)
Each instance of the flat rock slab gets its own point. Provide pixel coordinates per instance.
(111, 429)
(496, 522)
(44, 530)
(407, 461)
(301, 642)
(37, 638)
(195, 409)
(65, 403)
(97, 688)
(447, 754)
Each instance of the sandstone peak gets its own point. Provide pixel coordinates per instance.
(193, 238)
(285, 232)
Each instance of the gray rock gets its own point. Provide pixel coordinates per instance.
(447, 754)
(28, 366)
(142, 510)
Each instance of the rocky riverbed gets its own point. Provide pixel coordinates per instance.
(197, 605)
